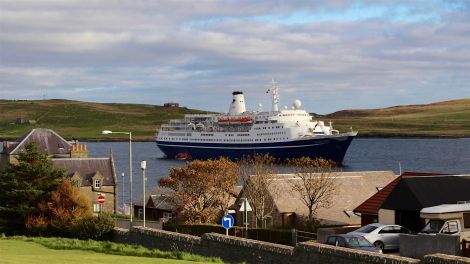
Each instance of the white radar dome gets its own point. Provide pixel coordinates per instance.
(297, 104)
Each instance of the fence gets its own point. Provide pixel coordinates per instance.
(302, 236)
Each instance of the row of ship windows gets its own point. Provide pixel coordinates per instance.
(272, 133)
(232, 140)
(257, 128)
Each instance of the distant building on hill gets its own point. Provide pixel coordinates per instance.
(171, 104)
(95, 176)
(22, 121)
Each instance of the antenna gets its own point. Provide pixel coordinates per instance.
(275, 91)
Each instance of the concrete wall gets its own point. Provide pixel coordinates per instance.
(417, 246)
(386, 217)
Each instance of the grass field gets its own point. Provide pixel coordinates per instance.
(28, 251)
(82, 120)
(75, 119)
(443, 119)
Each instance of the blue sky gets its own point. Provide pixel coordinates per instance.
(332, 54)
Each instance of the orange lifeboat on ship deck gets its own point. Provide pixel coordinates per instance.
(235, 119)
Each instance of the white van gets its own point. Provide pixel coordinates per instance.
(451, 219)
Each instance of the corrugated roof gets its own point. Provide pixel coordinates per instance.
(373, 204)
(87, 168)
(47, 141)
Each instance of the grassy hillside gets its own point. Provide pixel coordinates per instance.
(74, 119)
(82, 120)
(446, 119)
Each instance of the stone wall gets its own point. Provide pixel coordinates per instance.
(444, 259)
(235, 249)
(126, 224)
(417, 246)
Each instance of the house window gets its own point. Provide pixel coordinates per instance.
(97, 208)
(97, 184)
(167, 215)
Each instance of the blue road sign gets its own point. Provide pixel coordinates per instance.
(228, 221)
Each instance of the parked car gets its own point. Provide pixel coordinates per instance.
(382, 236)
(352, 241)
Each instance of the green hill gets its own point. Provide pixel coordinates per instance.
(83, 120)
(443, 119)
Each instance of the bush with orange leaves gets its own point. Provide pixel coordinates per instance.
(61, 213)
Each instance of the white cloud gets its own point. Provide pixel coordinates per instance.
(392, 53)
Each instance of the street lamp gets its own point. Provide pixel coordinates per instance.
(122, 193)
(143, 166)
(106, 132)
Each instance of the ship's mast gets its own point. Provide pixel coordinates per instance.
(275, 91)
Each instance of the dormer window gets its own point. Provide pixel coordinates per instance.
(97, 181)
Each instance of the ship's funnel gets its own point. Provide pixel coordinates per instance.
(238, 104)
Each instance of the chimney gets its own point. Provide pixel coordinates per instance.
(238, 104)
(78, 150)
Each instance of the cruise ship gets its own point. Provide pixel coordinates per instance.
(283, 134)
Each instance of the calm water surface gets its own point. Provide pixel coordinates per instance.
(431, 155)
(416, 154)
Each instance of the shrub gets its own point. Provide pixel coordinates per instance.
(94, 227)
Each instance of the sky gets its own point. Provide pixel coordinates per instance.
(332, 54)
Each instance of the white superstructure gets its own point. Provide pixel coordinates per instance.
(265, 132)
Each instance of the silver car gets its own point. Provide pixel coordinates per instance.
(382, 236)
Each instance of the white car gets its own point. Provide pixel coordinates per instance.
(382, 236)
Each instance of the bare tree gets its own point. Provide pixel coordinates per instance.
(258, 174)
(315, 181)
(203, 187)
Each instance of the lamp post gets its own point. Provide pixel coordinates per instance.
(106, 132)
(143, 166)
(122, 193)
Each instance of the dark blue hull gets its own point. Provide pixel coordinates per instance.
(332, 147)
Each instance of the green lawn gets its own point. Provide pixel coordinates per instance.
(18, 251)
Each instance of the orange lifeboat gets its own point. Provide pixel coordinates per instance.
(235, 119)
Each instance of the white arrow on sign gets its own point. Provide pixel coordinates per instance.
(247, 205)
(229, 220)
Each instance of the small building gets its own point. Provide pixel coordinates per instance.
(95, 177)
(22, 121)
(401, 201)
(161, 204)
(171, 104)
(353, 188)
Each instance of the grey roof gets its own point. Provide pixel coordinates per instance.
(353, 188)
(160, 198)
(87, 168)
(415, 193)
(47, 141)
